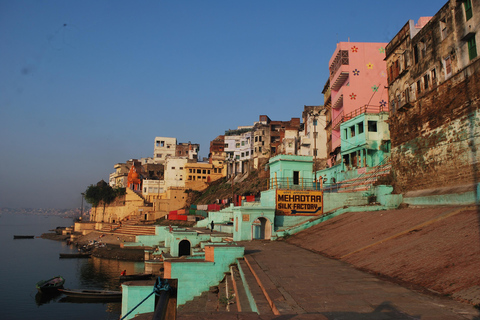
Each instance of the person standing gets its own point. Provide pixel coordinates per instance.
(212, 225)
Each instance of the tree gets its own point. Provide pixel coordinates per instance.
(102, 192)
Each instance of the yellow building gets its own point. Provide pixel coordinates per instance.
(200, 174)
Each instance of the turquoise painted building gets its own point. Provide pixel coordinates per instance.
(365, 144)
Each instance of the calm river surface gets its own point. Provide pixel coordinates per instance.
(24, 262)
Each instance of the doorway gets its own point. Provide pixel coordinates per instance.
(184, 248)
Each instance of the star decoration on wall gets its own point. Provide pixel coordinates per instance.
(354, 49)
(356, 72)
(353, 96)
(383, 74)
(381, 50)
(383, 103)
(375, 88)
(370, 65)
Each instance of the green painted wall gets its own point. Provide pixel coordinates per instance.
(195, 277)
(132, 295)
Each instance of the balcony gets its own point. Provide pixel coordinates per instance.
(339, 70)
(339, 78)
(338, 121)
(338, 100)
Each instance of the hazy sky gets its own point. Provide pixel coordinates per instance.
(87, 84)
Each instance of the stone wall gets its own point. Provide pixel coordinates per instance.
(434, 143)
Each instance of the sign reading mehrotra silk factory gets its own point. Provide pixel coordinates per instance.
(299, 202)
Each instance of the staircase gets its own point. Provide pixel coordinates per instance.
(230, 296)
(128, 229)
(365, 181)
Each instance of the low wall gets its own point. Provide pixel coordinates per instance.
(211, 271)
(133, 293)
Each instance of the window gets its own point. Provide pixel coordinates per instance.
(352, 131)
(360, 127)
(472, 48)
(259, 149)
(256, 139)
(372, 126)
(468, 9)
(434, 76)
(159, 155)
(425, 81)
(247, 153)
(423, 49)
(204, 171)
(243, 143)
(415, 54)
(162, 143)
(157, 143)
(448, 67)
(443, 28)
(199, 171)
(419, 86)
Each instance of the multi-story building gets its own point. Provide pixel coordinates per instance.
(164, 147)
(313, 137)
(189, 150)
(175, 172)
(434, 89)
(268, 136)
(217, 151)
(358, 85)
(238, 150)
(200, 174)
(327, 103)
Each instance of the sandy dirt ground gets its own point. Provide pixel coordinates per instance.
(436, 249)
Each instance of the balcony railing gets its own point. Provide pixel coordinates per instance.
(365, 109)
(293, 184)
(338, 120)
(302, 184)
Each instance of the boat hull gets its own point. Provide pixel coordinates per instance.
(51, 285)
(92, 294)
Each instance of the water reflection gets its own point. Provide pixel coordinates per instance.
(41, 298)
(105, 273)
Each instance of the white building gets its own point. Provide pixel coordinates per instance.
(313, 137)
(239, 149)
(174, 172)
(164, 148)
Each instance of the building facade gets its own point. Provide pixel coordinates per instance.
(358, 84)
(434, 85)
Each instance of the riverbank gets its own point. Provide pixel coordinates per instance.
(112, 245)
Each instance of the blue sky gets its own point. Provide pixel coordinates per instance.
(87, 84)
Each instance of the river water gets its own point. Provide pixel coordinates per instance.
(24, 262)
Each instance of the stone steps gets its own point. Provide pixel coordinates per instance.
(128, 229)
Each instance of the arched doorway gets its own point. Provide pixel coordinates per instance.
(184, 248)
(261, 228)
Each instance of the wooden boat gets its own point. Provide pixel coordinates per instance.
(22, 237)
(51, 285)
(75, 255)
(92, 294)
(138, 276)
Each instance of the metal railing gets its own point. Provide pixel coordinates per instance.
(294, 184)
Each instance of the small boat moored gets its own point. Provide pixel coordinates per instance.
(23, 237)
(75, 255)
(92, 294)
(51, 285)
(138, 276)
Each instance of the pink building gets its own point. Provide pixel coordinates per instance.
(358, 82)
